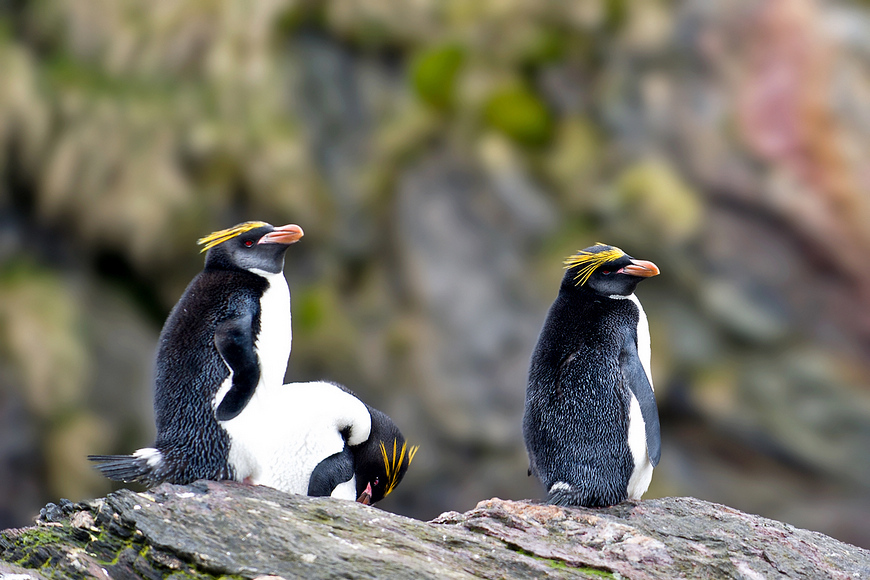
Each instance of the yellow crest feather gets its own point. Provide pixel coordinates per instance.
(221, 236)
(590, 261)
(393, 464)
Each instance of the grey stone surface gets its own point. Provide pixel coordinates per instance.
(211, 529)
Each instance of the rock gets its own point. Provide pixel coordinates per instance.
(209, 529)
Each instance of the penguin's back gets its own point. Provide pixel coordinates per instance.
(286, 430)
(189, 371)
(577, 407)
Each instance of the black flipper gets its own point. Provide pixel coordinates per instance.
(635, 377)
(330, 472)
(234, 339)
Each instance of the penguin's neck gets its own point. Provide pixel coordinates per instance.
(275, 338)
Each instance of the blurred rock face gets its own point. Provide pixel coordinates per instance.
(460, 239)
(443, 161)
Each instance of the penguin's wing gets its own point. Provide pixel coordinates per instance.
(330, 472)
(234, 339)
(636, 379)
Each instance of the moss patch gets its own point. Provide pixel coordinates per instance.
(65, 551)
(519, 113)
(562, 564)
(434, 75)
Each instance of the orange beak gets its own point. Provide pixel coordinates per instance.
(283, 235)
(641, 268)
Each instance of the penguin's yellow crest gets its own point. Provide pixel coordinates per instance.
(221, 236)
(589, 261)
(394, 464)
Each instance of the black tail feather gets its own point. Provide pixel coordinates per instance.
(127, 468)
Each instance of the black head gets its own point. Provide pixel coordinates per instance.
(250, 246)
(380, 462)
(606, 270)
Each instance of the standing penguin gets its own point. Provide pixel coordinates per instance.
(318, 439)
(591, 424)
(227, 336)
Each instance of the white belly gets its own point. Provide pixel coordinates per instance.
(286, 430)
(640, 478)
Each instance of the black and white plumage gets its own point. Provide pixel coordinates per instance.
(318, 438)
(228, 335)
(591, 423)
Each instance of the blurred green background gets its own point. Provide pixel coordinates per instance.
(443, 157)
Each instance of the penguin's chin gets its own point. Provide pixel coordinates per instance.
(366, 496)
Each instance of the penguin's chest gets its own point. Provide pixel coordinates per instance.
(273, 340)
(275, 337)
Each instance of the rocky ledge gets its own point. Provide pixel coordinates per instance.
(212, 530)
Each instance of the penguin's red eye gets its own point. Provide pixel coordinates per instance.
(375, 482)
(605, 272)
(249, 243)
